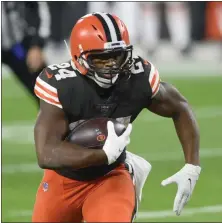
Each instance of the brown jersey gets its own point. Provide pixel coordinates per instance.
(81, 98)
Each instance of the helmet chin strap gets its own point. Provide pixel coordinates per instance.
(103, 82)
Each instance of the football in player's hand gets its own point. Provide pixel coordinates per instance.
(92, 133)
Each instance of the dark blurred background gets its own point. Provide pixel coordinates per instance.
(204, 17)
(159, 31)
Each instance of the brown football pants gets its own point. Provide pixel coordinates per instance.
(109, 199)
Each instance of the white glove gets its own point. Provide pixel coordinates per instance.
(114, 144)
(185, 179)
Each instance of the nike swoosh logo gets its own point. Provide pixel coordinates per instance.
(48, 75)
(190, 183)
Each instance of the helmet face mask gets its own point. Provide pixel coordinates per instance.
(107, 65)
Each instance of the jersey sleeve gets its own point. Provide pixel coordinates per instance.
(147, 70)
(154, 80)
(46, 89)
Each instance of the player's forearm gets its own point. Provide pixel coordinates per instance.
(188, 133)
(70, 155)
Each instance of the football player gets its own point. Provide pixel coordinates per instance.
(102, 79)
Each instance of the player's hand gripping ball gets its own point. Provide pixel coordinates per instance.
(102, 133)
(93, 133)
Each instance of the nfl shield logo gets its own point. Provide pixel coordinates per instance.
(45, 186)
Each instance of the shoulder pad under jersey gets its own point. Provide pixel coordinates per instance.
(53, 81)
(146, 68)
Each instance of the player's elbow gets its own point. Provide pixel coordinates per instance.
(47, 157)
(47, 162)
(181, 108)
(186, 115)
(43, 164)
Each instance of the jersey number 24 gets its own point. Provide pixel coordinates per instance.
(62, 72)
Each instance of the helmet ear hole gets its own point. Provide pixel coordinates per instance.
(75, 57)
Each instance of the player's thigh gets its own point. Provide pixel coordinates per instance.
(51, 204)
(112, 201)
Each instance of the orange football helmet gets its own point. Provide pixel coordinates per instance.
(100, 34)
